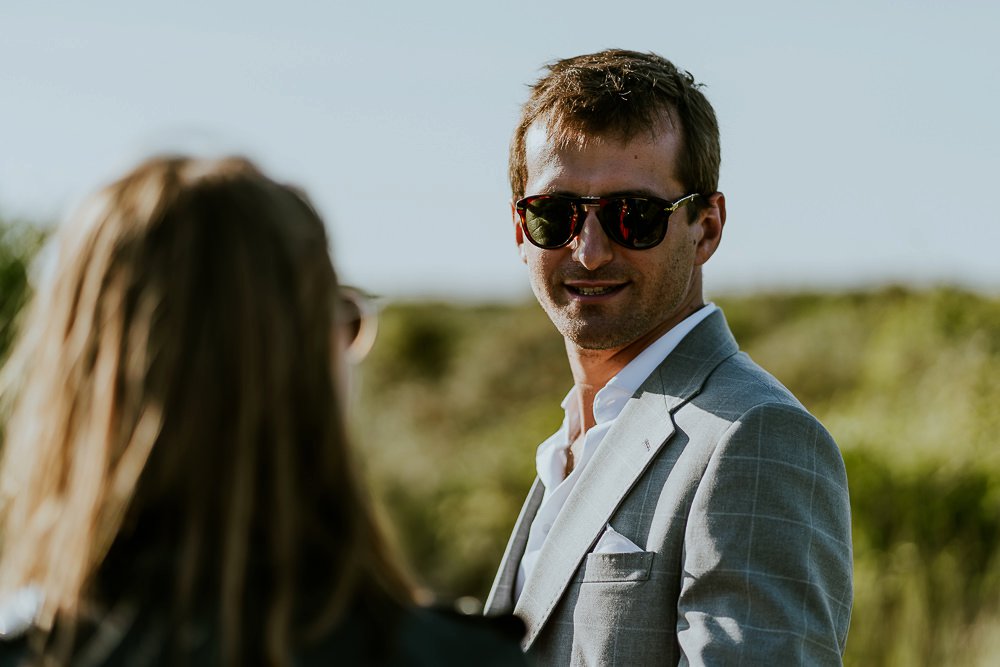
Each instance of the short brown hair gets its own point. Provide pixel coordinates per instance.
(622, 93)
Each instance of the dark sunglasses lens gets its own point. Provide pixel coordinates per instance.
(350, 317)
(635, 223)
(549, 222)
(358, 322)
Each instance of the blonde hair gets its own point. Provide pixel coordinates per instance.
(173, 403)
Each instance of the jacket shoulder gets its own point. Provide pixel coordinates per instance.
(738, 385)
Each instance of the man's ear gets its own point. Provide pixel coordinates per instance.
(711, 220)
(518, 233)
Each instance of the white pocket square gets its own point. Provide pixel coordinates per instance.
(613, 542)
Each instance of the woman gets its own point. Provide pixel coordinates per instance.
(176, 482)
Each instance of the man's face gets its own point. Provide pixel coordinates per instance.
(598, 294)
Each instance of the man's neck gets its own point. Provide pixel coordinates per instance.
(593, 369)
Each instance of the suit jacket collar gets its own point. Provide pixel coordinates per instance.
(638, 435)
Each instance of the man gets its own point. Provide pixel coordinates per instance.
(689, 510)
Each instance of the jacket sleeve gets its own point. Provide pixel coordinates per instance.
(767, 563)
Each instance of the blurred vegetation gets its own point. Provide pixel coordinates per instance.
(19, 243)
(454, 399)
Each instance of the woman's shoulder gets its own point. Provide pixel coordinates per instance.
(423, 636)
(448, 637)
(13, 651)
(387, 636)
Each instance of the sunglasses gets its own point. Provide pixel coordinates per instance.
(637, 223)
(357, 318)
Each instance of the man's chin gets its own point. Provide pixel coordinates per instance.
(594, 338)
(588, 328)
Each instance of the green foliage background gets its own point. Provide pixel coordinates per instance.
(19, 243)
(454, 399)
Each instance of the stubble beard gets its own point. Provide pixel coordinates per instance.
(591, 329)
(615, 326)
(602, 327)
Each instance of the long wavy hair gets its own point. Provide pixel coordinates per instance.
(173, 417)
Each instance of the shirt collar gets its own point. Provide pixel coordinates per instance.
(631, 377)
(611, 399)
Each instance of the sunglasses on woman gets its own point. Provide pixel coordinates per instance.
(637, 223)
(357, 317)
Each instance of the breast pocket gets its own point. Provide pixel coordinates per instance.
(622, 593)
(617, 567)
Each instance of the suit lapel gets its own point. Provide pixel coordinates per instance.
(500, 600)
(637, 436)
(603, 484)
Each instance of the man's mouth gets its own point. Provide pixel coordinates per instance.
(594, 290)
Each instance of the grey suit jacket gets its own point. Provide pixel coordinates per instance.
(738, 498)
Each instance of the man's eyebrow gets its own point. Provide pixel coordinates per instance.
(640, 192)
(553, 192)
(635, 192)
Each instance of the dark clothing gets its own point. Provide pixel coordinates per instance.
(415, 637)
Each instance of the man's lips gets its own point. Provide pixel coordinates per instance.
(594, 289)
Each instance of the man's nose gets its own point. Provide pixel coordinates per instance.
(592, 248)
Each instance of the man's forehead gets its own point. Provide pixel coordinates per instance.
(595, 165)
(545, 139)
(544, 143)
(569, 131)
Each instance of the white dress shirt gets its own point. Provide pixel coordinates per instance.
(550, 458)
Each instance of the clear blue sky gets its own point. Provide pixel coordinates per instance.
(860, 138)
